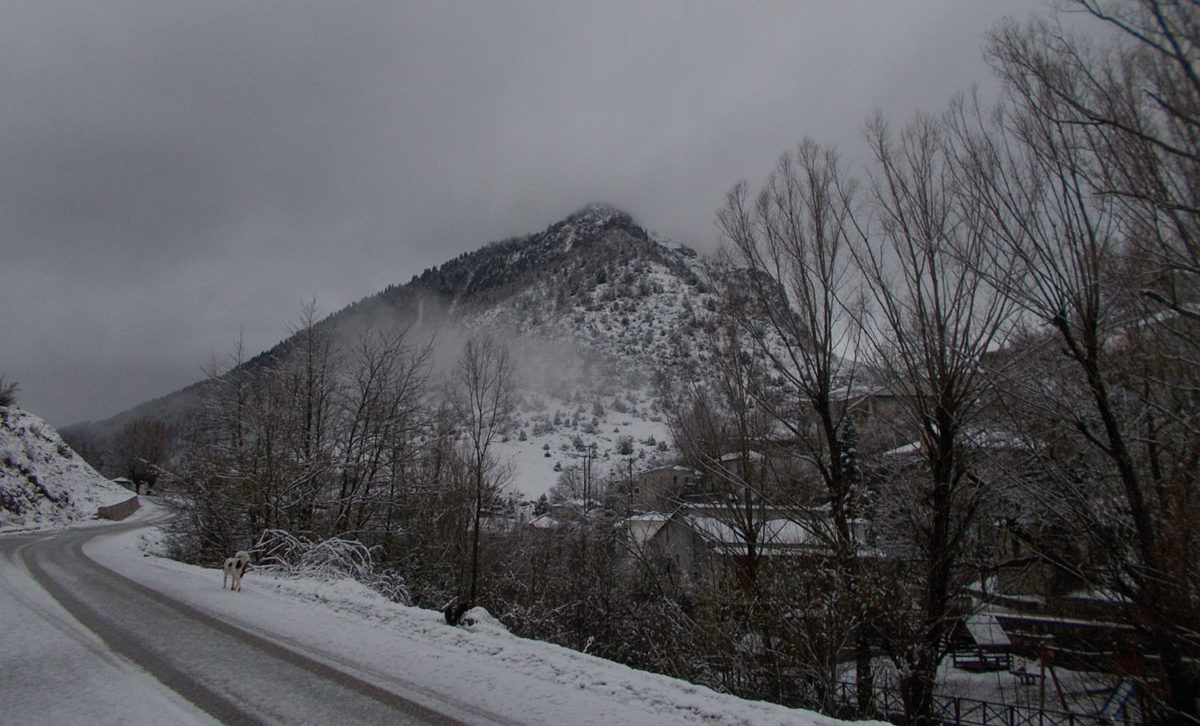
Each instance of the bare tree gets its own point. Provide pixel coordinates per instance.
(1089, 178)
(261, 454)
(140, 449)
(435, 513)
(717, 423)
(482, 403)
(800, 307)
(309, 383)
(379, 424)
(220, 509)
(1133, 104)
(933, 324)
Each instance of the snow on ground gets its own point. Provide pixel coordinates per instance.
(412, 651)
(1084, 691)
(548, 445)
(43, 483)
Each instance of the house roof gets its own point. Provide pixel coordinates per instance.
(774, 533)
(642, 527)
(859, 391)
(983, 438)
(544, 521)
(912, 447)
(985, 629)
(737, 455)
(677, 468)
(648, 517)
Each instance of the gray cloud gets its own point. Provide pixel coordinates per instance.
(171, 172)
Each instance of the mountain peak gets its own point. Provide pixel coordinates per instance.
(600, 214)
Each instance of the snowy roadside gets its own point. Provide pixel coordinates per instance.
(483, 672)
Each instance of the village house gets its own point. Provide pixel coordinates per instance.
(699, 539)
(662, 488)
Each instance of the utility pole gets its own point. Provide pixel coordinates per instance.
(629, 482)
(588, 454)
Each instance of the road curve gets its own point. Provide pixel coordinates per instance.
(235, 676)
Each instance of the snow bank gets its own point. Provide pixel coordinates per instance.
(479, 620)
(43, 483)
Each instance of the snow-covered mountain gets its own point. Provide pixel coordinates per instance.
(43, 483)
(590, 307)
(595, 280)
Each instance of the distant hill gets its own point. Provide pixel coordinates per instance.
(591, 306)
(43, 483)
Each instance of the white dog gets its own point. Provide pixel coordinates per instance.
(235, 567)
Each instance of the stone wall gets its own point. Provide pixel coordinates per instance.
(120, 510)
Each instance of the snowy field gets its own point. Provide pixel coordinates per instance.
(537, 462)
(478, 669)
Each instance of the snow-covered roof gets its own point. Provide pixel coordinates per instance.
(780, 533)
(994, 438)
(859, 391)
(544, 521)
(985, 629)
(737, 456)
(676, 468)
(644, 526)
(912, 447)
(648, 517)
(984, 438)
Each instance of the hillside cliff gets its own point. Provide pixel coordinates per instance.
(43, 483)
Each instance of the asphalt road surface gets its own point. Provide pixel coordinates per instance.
(232, 675)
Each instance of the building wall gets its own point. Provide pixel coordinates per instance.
(680, 548)
(659, 490)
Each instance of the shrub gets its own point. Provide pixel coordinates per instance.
(8, 392)
(333, 558)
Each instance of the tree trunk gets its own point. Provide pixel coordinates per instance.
(864, 676)
(916, 690)
(475, 541)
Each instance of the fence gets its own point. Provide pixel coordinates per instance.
(972, 712)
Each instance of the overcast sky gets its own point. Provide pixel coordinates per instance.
(172, 172)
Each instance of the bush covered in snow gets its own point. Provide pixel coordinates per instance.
(334, 558)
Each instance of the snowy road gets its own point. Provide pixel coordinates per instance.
(104, 629)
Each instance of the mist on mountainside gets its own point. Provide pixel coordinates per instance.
(588, 308)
